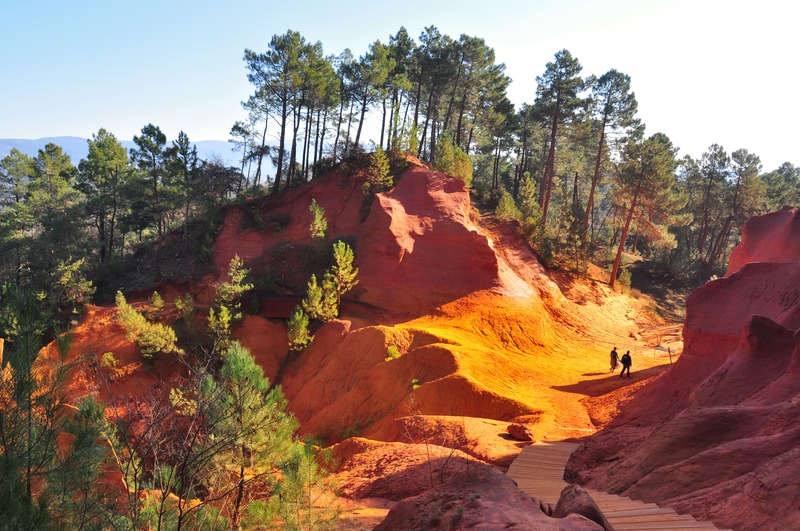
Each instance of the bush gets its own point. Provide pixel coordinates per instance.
(108, 360)
(152, 338)
(624, 278)
(507, 209)
(297, 330)
(156, 306)
(415, 384)
(392, 353)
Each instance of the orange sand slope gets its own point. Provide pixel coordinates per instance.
(479, 323)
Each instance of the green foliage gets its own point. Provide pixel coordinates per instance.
(379, 178)
(72, 288)
(506, 208)
(319, 225)
(152, 338)
(108, 360)
(297, 330)
(624, 278)
(252, 415)
(415, 384)
(320, 300)
(413, 140)
(392, 353)
(51, 458)
(299, 501)
(228, 300)
(185, 307)
(452, 160)
(156, 306)
(343, 274)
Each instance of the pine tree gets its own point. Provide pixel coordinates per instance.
(320, 301)
(379, 178)
(343, 274)
(319, 225)
(297, 330)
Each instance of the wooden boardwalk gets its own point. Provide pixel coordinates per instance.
(539, 472)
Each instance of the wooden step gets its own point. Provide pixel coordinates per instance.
(539, 471)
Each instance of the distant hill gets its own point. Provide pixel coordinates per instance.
(77, 148)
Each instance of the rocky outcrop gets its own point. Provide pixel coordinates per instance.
(417, 248)
(717, 435)
(481, 498)
(768, 238)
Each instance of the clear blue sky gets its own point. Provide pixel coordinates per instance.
(704, 71)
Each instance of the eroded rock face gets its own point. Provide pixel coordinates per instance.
(717, 436)
(768, 238)
(417, 248)
(481, 498)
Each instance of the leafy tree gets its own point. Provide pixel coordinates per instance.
(184, 165)
(506, 208)
(372, 72)
(782, 187)
(230, 292)
(253, 418)
(152, 338)
(50, 460)
(320, 301)
(70, 289)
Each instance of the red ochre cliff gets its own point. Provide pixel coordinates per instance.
(717, 435)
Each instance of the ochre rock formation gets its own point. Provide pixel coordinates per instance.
(717, 435)
(480, 498)
(485, 337)
(768, 238)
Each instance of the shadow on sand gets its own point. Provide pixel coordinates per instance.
(611, 382)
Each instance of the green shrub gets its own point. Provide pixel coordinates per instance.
(392, 353)
(297, 330)
(152, 338)
(185, 307)
(156, 306)
(108, 360)
(379, 178)
(415, 384)
(319, 225)
(507, 209)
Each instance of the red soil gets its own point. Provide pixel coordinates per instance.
(717, 435)
(485, 336)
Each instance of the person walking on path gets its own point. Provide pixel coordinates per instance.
(614, 359)
(626, 364)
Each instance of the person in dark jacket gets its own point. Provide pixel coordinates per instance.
(626, 364)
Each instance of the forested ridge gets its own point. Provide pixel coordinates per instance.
(576, 161)
(573, 169)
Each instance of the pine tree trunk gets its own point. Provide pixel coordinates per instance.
(281, 142)
(595, 179)
(618, 258)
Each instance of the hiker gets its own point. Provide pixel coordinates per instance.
(626, 364)
(614, 359)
